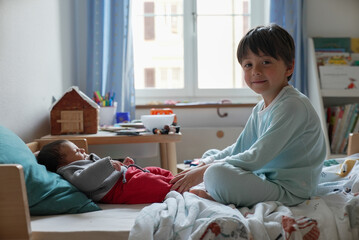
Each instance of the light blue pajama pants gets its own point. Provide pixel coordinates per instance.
(232, 185)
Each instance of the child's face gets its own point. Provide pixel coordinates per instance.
(265, 75)
(72, 153)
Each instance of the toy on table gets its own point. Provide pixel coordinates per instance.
(166, 130)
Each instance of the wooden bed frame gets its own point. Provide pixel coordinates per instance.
(15, 221)
(14, 209)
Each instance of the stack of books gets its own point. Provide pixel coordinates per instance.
(337, 60)
(341, 121)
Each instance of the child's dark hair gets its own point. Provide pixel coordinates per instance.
(50, 155)
(272, 40)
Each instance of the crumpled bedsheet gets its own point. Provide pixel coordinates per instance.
(332, 214)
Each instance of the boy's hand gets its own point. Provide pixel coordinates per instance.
(183, 181)
(128, 161)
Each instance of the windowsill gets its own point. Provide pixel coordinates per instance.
(206, 97)
(197, 105)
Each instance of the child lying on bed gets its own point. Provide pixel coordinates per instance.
(105, 180)
(280, 152)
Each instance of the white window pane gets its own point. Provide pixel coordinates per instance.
(220, 27)
(158, 42)
(216, 7)
(217, 46)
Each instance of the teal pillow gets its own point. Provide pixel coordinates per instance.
(47, 192)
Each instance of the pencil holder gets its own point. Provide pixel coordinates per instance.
(107, 115)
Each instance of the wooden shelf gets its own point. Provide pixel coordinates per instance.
(322, 98)
(334, 156)
(340, 93)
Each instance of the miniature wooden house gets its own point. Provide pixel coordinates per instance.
(74, 113)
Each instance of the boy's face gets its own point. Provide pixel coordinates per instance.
(265, 75)
(72, 153)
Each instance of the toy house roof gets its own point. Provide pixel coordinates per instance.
(81, 94)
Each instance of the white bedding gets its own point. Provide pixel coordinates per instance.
(334, 214)
(113, 222)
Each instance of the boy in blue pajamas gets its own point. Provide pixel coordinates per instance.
(279, 154)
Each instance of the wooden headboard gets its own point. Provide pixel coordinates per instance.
(14, 208)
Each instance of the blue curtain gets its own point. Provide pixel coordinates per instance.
(289, 15)
(110, 52)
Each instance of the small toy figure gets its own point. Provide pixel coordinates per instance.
(166, 130)
(351, 84)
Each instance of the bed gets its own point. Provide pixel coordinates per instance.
(333, 214)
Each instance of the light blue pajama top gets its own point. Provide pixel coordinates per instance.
(282, 143)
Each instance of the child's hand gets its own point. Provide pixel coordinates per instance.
(116, 164)
(183, 181)
(128, 161)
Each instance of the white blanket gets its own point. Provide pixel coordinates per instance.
(187, 217)
(334, 214)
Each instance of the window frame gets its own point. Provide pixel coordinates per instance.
(259, 10)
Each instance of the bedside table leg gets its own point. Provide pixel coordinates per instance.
(168, 157)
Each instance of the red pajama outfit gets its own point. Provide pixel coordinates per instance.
(140, 187)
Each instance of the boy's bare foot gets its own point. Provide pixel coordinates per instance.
(202, 193)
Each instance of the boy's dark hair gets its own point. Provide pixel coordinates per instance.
(50, 155)
(272, 40)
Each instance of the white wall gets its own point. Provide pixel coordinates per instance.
(332, 18)
(36, 62)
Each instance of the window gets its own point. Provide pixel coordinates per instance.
(186, 49)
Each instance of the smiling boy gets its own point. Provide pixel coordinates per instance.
(280, 152)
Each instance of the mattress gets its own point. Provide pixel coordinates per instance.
(114, 221)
